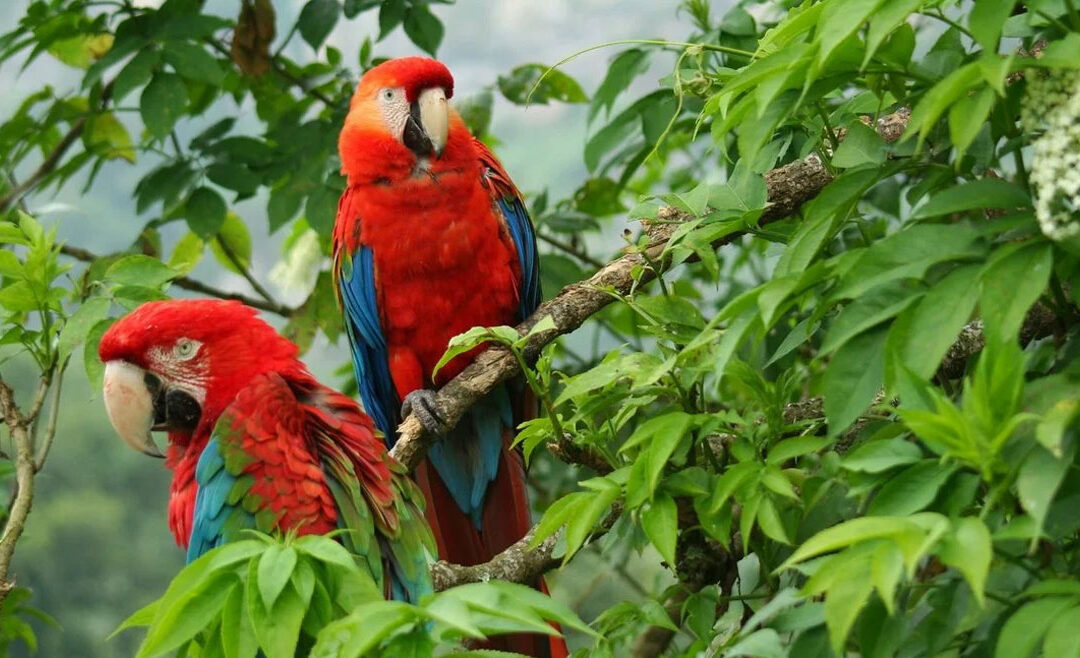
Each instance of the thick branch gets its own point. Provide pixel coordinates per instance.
(19, 425)
(789, 187)
(188, 283)
(520, 563)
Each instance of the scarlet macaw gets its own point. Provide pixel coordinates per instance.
(256, 442)
(432, 238)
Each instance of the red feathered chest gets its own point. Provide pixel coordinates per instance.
(443, 263)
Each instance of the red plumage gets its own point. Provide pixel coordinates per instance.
(243, 363)
(444, 262)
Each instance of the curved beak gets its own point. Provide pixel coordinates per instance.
(130, 404)
(428, 125)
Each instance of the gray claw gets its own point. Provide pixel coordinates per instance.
(421, 402)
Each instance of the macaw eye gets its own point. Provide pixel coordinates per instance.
(185, 348)
(388, 94)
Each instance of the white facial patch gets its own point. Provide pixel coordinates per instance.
(395, 109)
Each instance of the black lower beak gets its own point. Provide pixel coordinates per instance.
(173, 409)
(415, 137)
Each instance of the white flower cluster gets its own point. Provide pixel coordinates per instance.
(299, 270)
(1053, 106)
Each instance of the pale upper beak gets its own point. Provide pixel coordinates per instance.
(130, 406)
(434, 117)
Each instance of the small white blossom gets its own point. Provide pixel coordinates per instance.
(1053, 107)
(299, 270)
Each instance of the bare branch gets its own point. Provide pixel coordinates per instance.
(19, 425)
(50, 428)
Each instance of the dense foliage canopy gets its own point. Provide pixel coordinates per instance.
(831, 381)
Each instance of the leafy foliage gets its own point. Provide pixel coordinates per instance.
(307, 594)
(851, 432)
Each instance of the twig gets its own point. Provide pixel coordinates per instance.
(244, 272)
(283, 72)
(46, 167)
(49, 164)
(188, 283)
(50, 428)
(570, 249)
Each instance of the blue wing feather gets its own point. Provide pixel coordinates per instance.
(520, 226)
(211, 502)
(371, 360)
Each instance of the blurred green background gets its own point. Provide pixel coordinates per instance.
(97, 546)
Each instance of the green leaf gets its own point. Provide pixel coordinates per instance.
(423, 28)
(912, 489)
(187, 253)
(908, 253)
(936, 321)
(974, 195)
(853, 378)
(660, 521)
(277, 629)
(879, 456)
(886, 568)
(520, 86)
(136, 73)
(1062, 640)
(275, 568)
(873, 308)
(232, 244)
(1041, 475)
(317, 20)
(193, 62)
(1011, 285)
(191, 612)
(985, 22)
(108, 138)
(969, 549)
(79, 324)
(843, 603)
(851, 532)
(886, 17)
(1026, 627)
(140, 270)
(162, 103)
(967, 117)
(762, 643)
(95, 370)
(861, 146)
(626, 66)
(205, 212)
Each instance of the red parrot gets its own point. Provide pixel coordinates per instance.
(432, 238)
(256, 442)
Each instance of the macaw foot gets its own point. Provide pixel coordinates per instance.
(422, 403)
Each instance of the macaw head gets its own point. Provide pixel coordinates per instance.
(398, 117)
(175, 365)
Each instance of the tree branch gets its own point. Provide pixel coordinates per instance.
(187, 283)
(788, 188)
(19, 425)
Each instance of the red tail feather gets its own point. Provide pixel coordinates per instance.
(506, 519)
